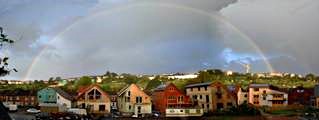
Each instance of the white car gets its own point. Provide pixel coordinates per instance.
(33, 110)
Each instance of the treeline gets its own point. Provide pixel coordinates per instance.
(113, 82)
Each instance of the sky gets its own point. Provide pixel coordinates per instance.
(88, 37)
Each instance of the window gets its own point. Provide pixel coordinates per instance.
(129, 93)
(203, 106)
(195, 97)
(58, 97)
(256, 89)
(181, 110)
(207, 106)
(191, 89)
(264, 91)
(181, 98)
(129, 107)
(200, 96)
(128, 99)
(229, 104)
(205, 88)
(245, 96)
(171, 97)
(198, 88)
(219, 95)
(138, 99)
(101, 107)
(187, 111)
(91, 95)
(39, 96)
(207, 98)
(220, 106)
(197, 111)
(97, 95)
(256, 96)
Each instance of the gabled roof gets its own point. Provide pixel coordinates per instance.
(83, 90)
(127, 87)
(198, 85)
(123, 90)
(63, 94)
(163, 87)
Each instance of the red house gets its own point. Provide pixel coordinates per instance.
(300, 96)
(169, 96)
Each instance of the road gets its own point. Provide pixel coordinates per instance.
(21, 116)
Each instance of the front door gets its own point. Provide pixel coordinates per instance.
(139, 111)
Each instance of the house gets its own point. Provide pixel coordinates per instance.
(169, 96)
(53, 100)
(211, 96)
(134, 101)
(300, 96)
(94, 99)
(19, 97)
(266, 95)
(242, 96)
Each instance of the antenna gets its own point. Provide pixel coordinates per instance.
(246, 66)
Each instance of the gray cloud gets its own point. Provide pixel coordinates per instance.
(286, 27)
(140, 36)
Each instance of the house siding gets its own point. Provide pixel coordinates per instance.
(127, 106)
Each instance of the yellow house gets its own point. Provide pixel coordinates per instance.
(132, 101)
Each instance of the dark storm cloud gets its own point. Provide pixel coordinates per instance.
(88, 51)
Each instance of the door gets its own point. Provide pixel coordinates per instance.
(139, 111)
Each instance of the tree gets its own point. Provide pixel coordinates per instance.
(153, 84)
(4, 69)
(58, 78)
(84, 81)
(310, 77)
(203, 76)
(51, 80)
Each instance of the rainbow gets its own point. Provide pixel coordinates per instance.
(164, 5)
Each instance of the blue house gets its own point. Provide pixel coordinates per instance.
(52, 100)
(47, 95)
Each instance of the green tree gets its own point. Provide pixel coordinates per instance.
(203, 76)
(153, 84)
(129, 79)
(84, 81)
(310, 77)
(58, 78)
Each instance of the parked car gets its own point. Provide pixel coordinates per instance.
(156, 114)
(77, 111)
(11, 107)
(33, 111)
